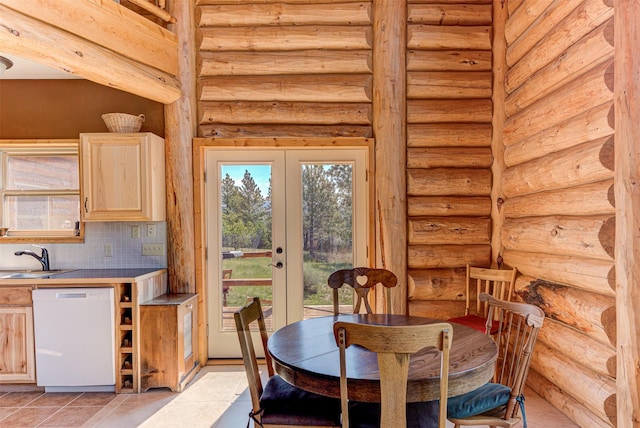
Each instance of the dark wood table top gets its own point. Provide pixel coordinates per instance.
(305, 354)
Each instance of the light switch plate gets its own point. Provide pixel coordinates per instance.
(135, 232)
(153, 249)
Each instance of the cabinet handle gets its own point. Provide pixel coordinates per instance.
(86, 201)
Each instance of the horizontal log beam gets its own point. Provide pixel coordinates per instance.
(521, 18)
(443, 256)
(591, 313)
(574, 410)
(449, 157)
(449, 206)
(593, 124)
(433, 37)
(588, 199)
(274, 63)
(588, 163)
(274, 131)
(437, 284)
(589, 237)
(597, 393)
(284, 38)
(339, 88)
(48, 45)
(597, 276)
(290, 113)
(433, 110)
(285, 14)
(448, 181)
(448, 84)
(449, 14)
(449, 134)
(449, 60)
(449, 230)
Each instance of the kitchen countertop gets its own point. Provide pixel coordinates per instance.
(82, 277)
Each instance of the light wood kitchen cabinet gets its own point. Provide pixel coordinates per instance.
(123, 177)
(168, 351)
(17, 355)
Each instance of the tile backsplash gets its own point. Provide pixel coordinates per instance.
(126, 251)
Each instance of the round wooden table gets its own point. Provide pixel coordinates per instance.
(305, 354)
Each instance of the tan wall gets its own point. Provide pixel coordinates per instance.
(559, 213)
(52, 109)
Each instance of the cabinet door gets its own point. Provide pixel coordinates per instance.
(17, 357)
(187, 320)
(122, 177)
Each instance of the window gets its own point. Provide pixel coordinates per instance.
(40, 190)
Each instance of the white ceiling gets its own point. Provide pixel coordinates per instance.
(26, 69)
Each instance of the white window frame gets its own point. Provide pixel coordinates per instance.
(38, 149)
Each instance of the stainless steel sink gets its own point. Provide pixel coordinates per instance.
(26, 274)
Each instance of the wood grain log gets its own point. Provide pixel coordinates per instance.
(275, 13)
(470, 111)
(274, 63)
(589, 236)
(550, 40)
(449, 206)
(284, 38)
(592, 124)
(573, 409)
(597, 276)
(438, 309)
(579, 348)
(595, 88)
(449, 84)
(591, 51)
(593, 314)
(522, 17)
(448, 181)
(137, 38)
(434, 37)
(596, 392)
(250, 2)
(448, 60)
(449, 134)
(442, 256)
(46, 44)
(449, 157)
(246, 113)
(437, 284)
(588, 163)
(449, 14)
(339, 88)
(449, 230)
(589, 199)
(273, 131)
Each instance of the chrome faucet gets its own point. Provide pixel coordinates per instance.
(43, 259)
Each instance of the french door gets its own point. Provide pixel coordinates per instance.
(279, 221)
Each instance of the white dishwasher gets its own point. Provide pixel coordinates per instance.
(74, 339)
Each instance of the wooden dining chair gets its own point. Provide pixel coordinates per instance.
(498, 283)
(496, 404)
(278, 404)
(361, 279)
(394, 346)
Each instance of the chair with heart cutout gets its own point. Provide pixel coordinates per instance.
(361, 279)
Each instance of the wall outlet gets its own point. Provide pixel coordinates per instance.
(151, 230)
(135, 232)
(108, 250)
(153, 249)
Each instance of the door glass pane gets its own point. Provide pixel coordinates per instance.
(327, 209)
(245, 195)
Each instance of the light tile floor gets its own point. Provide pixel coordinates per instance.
(216, 398)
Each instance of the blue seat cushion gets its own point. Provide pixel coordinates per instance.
(280, 396)
(487, 397)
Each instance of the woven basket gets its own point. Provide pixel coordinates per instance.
(122, 122)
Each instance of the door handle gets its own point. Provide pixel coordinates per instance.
(278, 265)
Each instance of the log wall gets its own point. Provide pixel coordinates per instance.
(559, 212)
(270, 69)
(449, 158)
